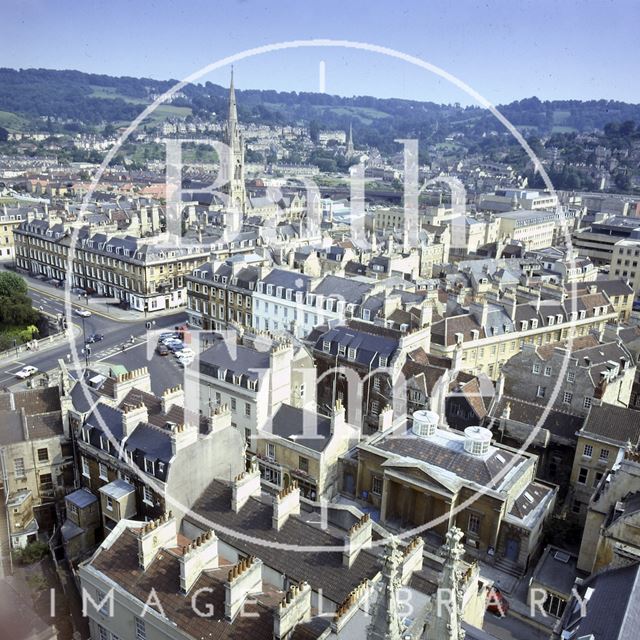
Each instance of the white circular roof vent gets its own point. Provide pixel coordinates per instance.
(477, 440)
(425, 423)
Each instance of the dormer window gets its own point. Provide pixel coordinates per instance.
(524, 325)
(237, 379)
(326, 346)
(222, 374)
(288, 294)
(583, 314)
(269, 289)
(342, 349)
(534, 323)
(352, 353)
(550, 320)
(366, 314)
(382, 361)
(149, 466)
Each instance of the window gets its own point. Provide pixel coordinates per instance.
(588, 451)
(474, 524)
(567, 397)
(247, 409)
(576, 506)
(247, 436)
(375, 408)
(271, 451)
(547, 371)
(604, 455)
(587, 402)
(376, 485)
(141, 633)
(583, 474)
(148, 466)
(110, 503)
(352, 353)
(18, 465)
(147, 495)
(43, 455)
(342, 349)
(541, 391)
(326, 346)
(103, 472)
(303, 464)
(596, 480)
(376, 383)
(46, 481)
(536, 368)
(104, 634)
(85, 467)
(571, 376)
(554, 605)
(234, 404)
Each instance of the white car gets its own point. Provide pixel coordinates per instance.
(185, 353)
(26, 372)
(83, 313)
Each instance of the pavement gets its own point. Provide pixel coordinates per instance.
(55, 297)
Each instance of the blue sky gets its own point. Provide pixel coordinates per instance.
(504, 49)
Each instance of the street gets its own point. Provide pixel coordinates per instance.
(116, 334)
(512, 628)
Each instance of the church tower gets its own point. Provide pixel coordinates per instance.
(234, 174)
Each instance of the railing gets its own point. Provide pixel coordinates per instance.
(33, 345)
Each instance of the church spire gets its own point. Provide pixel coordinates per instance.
(232, 121)
(350, 150)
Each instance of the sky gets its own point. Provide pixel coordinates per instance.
(504, 49)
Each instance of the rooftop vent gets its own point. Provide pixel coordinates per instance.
(477, 440)
(425, 423)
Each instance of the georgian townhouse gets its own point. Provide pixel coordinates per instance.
(220, 295)
(302, 446)
(606, 434)
(491, 332)
(294, 302)
(253, 378)
(147, 275)
(9, 220)
(36, 459)
(145, 442)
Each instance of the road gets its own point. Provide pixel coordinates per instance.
(116, 334)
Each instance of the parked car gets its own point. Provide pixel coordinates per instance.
(167, 341)
(83, 313)
(94, 337)
(167, 335)
(496, 602)
(183, 353)
(162, 350)
(185, 361)
(175, 346)
(26, 372)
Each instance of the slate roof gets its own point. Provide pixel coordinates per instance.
(369, 346)
(323, 570)
(446, 451)
(242, 360)
(120, 564)
(613, 610)
(81, 498)
(288, 423)
(532, 496)
(553, 573)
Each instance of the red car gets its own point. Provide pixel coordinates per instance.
(497, 603)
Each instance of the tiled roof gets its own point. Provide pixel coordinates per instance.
(617, 424)
(322, 570)
(120, 564)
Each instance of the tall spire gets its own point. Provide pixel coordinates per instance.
(233, 169)
(350, 150)
(232, 121)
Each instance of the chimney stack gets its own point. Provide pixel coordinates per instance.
(294, 609)
(219, 418)
(285, 503)
(350, 605)
(197, 556)
(385, 418)
(359, 537)
(245, 486)
(244, 579)
(136, 379)
(172, 396)
(132, 416)
(413, 559)
(182, 436)
(155, 535)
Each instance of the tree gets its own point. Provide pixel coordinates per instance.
(12, 285)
